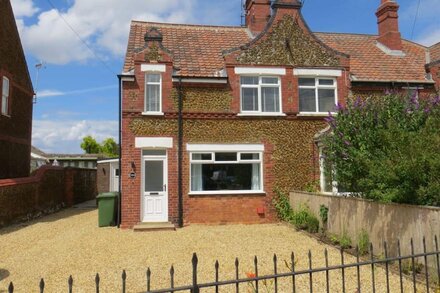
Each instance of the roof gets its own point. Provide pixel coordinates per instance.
(434, 52)
(75, 156)
(369, 63)
(196, 49)
(38, 152)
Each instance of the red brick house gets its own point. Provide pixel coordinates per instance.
(15, 100)
(215, 119)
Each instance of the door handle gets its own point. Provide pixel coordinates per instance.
(164, 187)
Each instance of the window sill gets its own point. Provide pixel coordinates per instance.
(152, 113)
(231, 192)
(315, 114)
(261, 114)
(5, 115)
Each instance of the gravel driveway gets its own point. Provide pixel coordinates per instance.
(70, 243)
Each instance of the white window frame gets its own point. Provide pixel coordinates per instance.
(237, 161)
(5, 97)
(259, 86)
(316, 87)
(146, 83)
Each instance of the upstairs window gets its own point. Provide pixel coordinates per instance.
(153, 93)
(5, 96)
(260, 94)
(317, 95)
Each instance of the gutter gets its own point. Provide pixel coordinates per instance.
(180, 155)
(118, 220)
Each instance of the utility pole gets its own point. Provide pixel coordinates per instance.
(38, 66)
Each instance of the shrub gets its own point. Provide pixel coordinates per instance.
(282, 206)
(387, 149)
(304, 219)
(345, 240)
(323, 213)
(363, 242)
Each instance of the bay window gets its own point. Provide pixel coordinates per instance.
(153, 93)
(226, 172)
(260, 94)
(317, 95)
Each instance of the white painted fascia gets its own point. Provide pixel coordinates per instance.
(154, 142)
(317, 72)
(225, 147)
(260, 70)
(153, 67)
(108, 161)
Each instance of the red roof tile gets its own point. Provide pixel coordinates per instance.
(196, 49)
(370, 63)
(435, 52)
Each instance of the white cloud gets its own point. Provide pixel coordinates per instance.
(23, 8)
(65, 136)
(103, 24)
(49, 93)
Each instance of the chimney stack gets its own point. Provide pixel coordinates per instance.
(258, 13)
(388, 21)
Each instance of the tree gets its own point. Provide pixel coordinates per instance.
(90, 146)
(387, 149)
(110, 148)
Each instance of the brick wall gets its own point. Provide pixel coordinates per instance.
(15, 129)
(48, 190)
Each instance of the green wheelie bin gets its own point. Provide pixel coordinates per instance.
(107, 208)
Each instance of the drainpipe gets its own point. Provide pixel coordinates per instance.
(118, 220)
(180, 154)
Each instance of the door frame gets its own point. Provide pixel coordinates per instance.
(165, 180)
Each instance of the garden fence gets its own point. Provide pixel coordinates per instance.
(424, 280)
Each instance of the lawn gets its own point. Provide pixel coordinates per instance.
(70, 243)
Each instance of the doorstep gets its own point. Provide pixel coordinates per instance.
(145, 227)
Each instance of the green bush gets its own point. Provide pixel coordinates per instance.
(303, 219)
(387, 149)
(345, 240)
(363, 242)
(282, 206)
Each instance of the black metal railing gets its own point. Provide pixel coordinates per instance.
(391, 265)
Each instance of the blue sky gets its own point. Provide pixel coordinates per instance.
(77, 88)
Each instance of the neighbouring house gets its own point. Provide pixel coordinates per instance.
(216, 119)
(38, 158)
(86, 161)
(108, 175)
(16, 100)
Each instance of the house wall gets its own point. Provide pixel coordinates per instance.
(382, 222)
(103, 174)
(15, 129)
(48, 190)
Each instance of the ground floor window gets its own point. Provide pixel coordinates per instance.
(226, 171)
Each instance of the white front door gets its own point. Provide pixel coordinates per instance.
(114, 181)
(155, 195)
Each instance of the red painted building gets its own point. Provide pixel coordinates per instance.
(216, 120)
(15, 100)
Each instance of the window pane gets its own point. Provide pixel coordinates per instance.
(249, 99)
(5, 88)
(269, 80)
(307, 81)
(154, 153)
(116, 172)
(270, 99)
(225, 157)
(153, 176)
(4, 105)
(250, 156)
(202, 157)
(249, 80)
(153, 98)
(153, 78)
(326, 81)
(307, 100)
(326, 100)
(210, 177)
